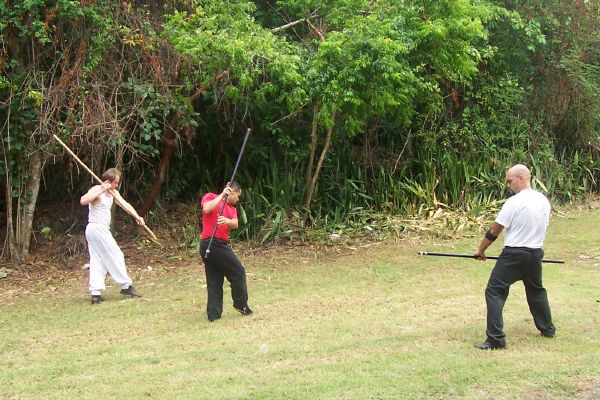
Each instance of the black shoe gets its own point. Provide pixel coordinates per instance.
(97, 299)
(243, 310)
(489, 346)
(130, 291)
(547, 335)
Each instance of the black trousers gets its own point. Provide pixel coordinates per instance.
(516, 264)
(222, 263)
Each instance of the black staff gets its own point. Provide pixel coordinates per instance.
(429, 253)
(237, 163)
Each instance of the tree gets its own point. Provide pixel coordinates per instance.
(39, 67)
(359, 74)
(92, 74)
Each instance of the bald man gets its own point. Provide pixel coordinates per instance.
(525, 216)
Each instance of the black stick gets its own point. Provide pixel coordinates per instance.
(429, 253)
(237, 163)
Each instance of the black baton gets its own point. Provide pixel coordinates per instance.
(429, 253)
(237, 163)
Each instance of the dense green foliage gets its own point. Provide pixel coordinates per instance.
(357, 107)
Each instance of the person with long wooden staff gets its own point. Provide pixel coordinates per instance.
(219, 216)
(105, 254)
(99, 181)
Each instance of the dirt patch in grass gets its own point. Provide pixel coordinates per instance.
(589, 390)
(54, 265)
(57, 260)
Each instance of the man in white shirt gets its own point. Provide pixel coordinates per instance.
(525, 216)
(105, 254)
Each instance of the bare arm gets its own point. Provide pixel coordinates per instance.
(93, 193)
(126, 206)
(231, 223)
(495, 229)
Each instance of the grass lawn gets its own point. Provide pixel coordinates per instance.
(373, 322)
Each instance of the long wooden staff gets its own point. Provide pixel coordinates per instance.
(100, 182)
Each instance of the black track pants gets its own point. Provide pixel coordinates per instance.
(222, 263)
(516, 264)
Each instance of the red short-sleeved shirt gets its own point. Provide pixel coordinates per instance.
(209, 220)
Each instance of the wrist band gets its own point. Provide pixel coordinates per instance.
(490, 236)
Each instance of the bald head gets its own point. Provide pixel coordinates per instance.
(518, 177)
(520, 170)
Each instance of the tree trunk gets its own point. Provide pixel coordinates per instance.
(10, 230)
(315, 176)
(32, 189)
(311, 160)
(169, 146)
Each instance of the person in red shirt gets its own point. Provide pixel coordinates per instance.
(221, 262)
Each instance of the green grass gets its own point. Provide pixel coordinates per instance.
(378, 322)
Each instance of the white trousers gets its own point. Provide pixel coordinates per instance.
(105, 256)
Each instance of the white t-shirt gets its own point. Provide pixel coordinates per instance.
(525, 216)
